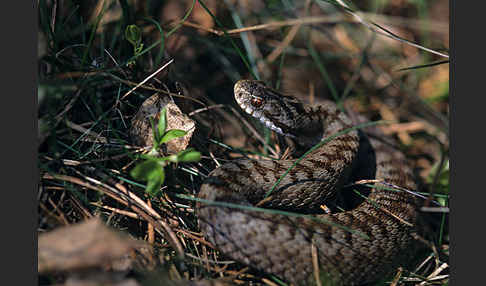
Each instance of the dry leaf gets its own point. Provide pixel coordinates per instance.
(141, 130)
(85, 245)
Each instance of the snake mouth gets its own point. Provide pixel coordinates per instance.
(257, 113)
(248, 109)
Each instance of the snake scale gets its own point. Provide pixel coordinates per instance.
(282, 245)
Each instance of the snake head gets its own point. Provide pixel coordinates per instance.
(277, 111)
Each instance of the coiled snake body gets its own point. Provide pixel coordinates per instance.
(381, 225)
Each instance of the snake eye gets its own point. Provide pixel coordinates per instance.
(256, 101)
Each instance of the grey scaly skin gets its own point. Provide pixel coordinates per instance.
(281, 244)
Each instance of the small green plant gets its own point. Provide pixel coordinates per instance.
(151, 170)
(133, 34)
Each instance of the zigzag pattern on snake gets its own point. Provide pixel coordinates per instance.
(281, 244)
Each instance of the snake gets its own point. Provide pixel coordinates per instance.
(351, 246)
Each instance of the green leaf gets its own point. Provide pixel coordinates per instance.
(189, 155)
(172, 134)
(162, 125)
(144, 170)
(155, 134)
(155, 181)
(133, 34)
(172, 158)
(150, 171)
(138, 49)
